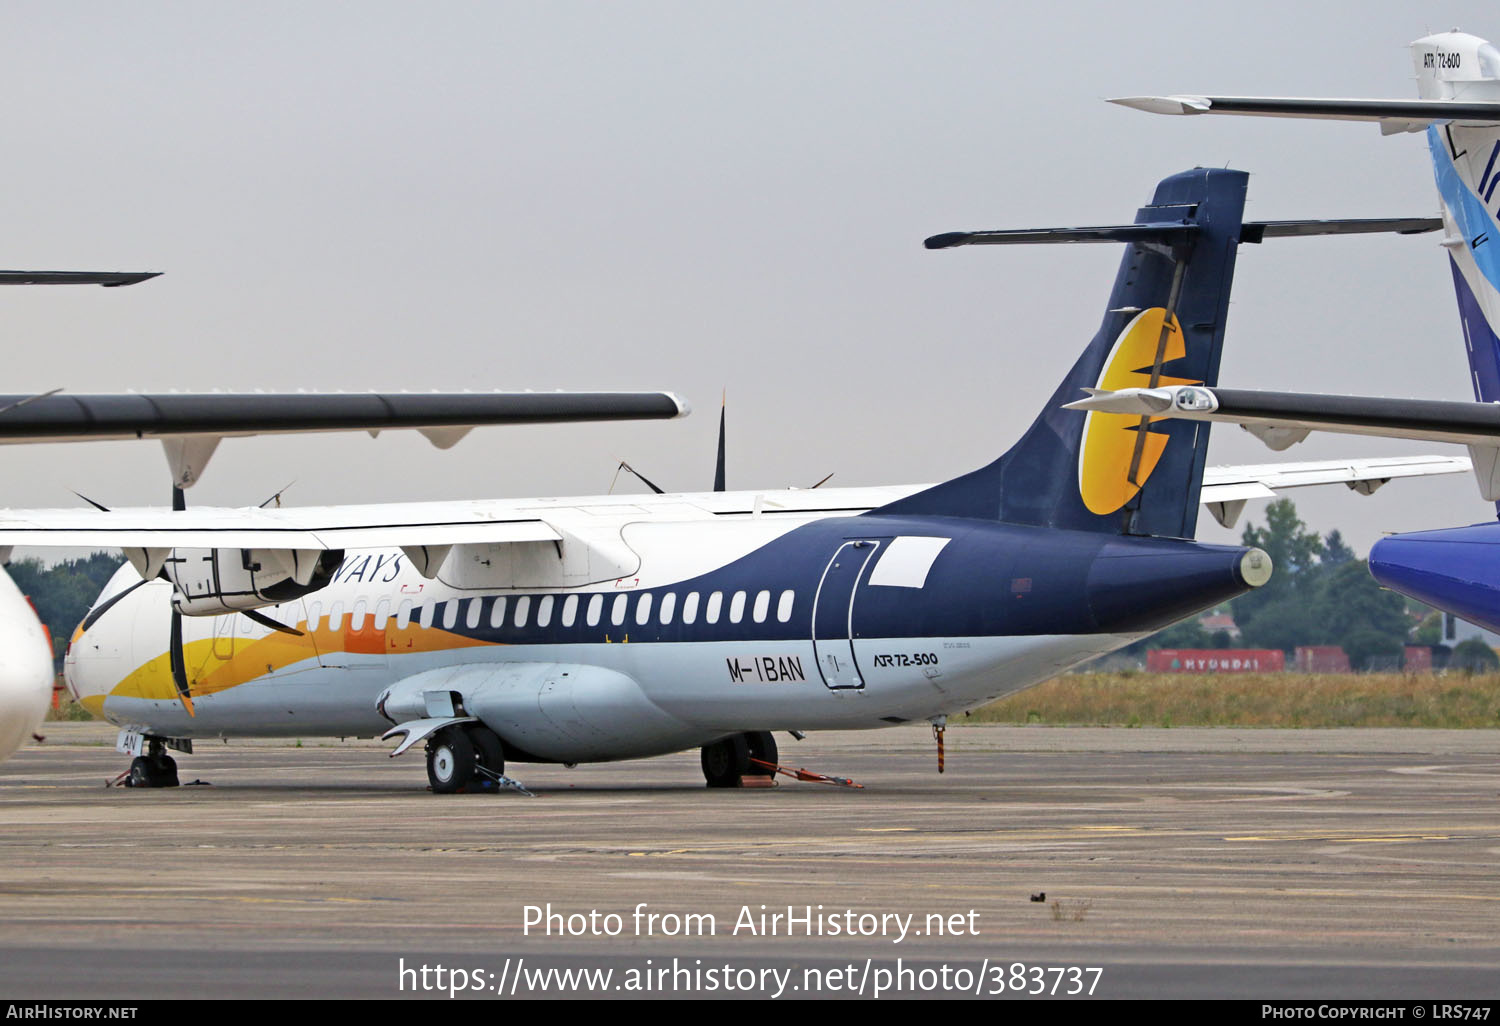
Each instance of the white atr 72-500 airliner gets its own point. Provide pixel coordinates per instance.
(608, 628)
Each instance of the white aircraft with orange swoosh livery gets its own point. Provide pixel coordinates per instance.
(190, 427)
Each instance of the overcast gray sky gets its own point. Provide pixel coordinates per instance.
(691, 196)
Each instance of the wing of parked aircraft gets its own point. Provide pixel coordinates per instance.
(1392, 116)
(439, 415)
(428, 531)
(190, 425)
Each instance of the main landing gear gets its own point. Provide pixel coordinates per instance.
(465, 756)
(726, 762)
(154, 769)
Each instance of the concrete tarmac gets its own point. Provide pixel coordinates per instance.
(1258, 864)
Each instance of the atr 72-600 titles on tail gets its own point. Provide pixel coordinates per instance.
(607, 628)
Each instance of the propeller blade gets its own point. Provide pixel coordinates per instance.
(179, 665)
(266, 621)
(277, 497)
(179, 661)
(104, 607)
(97, 505)
(719, 463)
(29, 399)
(643, 478)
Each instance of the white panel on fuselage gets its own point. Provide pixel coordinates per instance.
(906, 562)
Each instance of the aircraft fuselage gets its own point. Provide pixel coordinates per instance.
(716, 625)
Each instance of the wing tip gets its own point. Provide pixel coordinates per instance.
(1164, 104)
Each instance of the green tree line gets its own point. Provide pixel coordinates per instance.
(1321, 593)
(63, 592)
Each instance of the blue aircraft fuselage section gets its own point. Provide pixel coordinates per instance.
(989, 580)
(1454, 569)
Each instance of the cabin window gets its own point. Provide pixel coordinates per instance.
(643, 610)
(715, 603)
(596, 606)
(544, 611)
(428, 612)
(357, 618)
(737, 607)
(403, 615)
(497, 612)
(784, 606)
(336, 616)
(690, 607)
(314, 614)
(617, 613)
(668, 605)
(762, 606)
(476, 606)
(570, 610)
(450, 614)
(382, 613)
(523, 609)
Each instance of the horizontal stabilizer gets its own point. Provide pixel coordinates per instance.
(109, 279)
(1255, 231)
(1392, 115)
(1169, 232)
(1161, 231)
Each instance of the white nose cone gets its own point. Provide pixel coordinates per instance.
(1255, 567)
(25, 669)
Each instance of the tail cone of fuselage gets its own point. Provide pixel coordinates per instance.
(1454, 569)
(1144, 584)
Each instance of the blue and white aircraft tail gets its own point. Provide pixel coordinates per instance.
(1456, 67)
(1164, 324)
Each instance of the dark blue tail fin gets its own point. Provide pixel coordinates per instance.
(1164, 325)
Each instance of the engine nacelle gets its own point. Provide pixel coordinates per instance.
(562, 712)
(207, 582)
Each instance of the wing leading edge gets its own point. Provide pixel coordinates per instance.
(64, 417)
(1391, 115)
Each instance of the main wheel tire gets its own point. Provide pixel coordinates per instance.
(726, 761)
(488, 750)
(141, 774)
(450, 761)
(165, 771)
(762, 746)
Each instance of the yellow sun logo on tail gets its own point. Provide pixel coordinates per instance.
(1110, 439)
